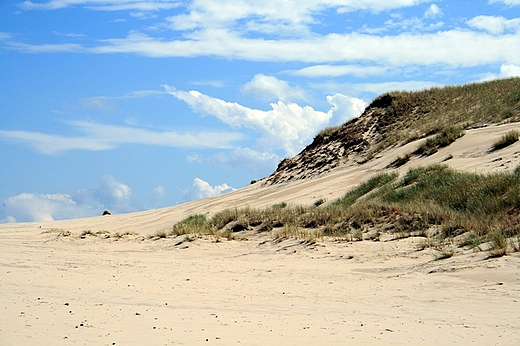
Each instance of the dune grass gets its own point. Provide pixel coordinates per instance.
(443, 113)
(506, 140)
(434, 199)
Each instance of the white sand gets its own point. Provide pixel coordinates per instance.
(131, 291)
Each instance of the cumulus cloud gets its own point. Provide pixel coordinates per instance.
(202, 189)
(506, 71)
(433, 11)
(42, 207)
(344, 108)
(509, 70)
(495, 25)
(115, 195)
(102, 137)
(109, 194)
(269, 87)
(287, 126)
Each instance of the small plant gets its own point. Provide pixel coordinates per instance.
(86, 233)
(319, 202)
(280, 205)
(159, 235)
(506, 140)
(499, 243)
(400, 160)
(119, 235)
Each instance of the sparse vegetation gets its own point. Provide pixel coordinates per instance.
(59, 232)
(86, 233)
(326, 132)
(506, 140)
(400, 160)
(412, 115)
(440, 140)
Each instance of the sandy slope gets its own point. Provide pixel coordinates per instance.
(97, 291)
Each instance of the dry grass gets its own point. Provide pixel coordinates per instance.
(506, 140)
(408, 116)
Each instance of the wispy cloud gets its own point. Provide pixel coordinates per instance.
(103, 5)
(106, 103)
(456, 47)
(507, 2)
(339, 70)
(102, 137)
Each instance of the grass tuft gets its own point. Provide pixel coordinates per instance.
(506, 140)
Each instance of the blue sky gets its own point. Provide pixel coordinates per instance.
(130, 105)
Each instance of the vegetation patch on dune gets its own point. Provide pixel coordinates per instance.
(506, 140)
(436, 202)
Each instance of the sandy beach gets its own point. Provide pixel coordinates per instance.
(57, 288)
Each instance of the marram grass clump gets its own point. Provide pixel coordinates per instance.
(506, 140)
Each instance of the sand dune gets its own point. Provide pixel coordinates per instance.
(68, 290)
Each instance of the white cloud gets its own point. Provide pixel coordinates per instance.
(451, 48)
(42, 207)
(270, 16)
(287, 126)
(509, 70)
(103, 5)
(433, 11)
(507, 2)
(344, 108)
(110, 194)
(103, 137)
(339, 70)
(202, 189)
(269, 87)
(115, 195)
(506, 71)
(495, 25)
